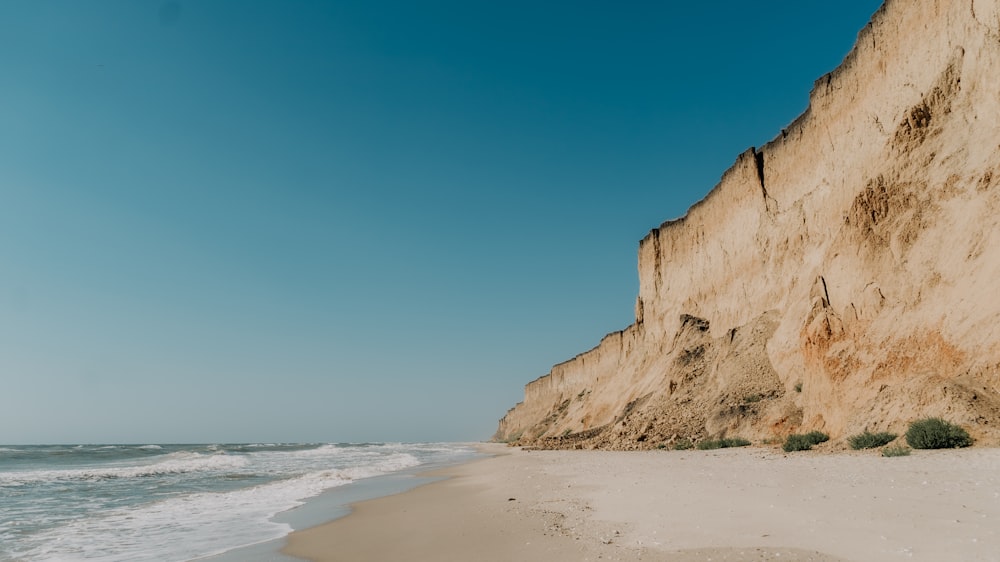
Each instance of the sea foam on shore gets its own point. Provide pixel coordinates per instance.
(175, 502)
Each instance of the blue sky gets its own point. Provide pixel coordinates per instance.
(352, 221)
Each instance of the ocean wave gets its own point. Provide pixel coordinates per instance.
(322, 450)
(151, 447)
(270, 447)
(227, 501)
(174, 463)
(390, 463)
(186, 527)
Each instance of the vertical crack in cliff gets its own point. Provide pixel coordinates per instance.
(657, 277)
(769, 202)
(758, 156)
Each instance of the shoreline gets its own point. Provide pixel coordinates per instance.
(730, 504)
(335, 503)
(329, 506)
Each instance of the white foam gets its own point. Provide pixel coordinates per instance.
(152, 447)
(193, 525)
(174, 463)
(196, 525)
(391, 463)
(322, 450)
(184, 527)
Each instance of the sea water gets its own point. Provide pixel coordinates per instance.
(175, 502)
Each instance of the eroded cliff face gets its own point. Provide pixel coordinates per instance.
(843, 277)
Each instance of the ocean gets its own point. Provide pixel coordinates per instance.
(177, 502)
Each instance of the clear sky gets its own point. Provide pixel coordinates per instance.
(238, 220)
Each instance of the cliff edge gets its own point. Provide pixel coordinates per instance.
(839, 278)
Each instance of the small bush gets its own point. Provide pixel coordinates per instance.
(726, 443)
(869, 440)
(798, 387)
(683, 444)
(817, 437)
(896, 451)
(797, 442)
(753, 398)
(935, 433)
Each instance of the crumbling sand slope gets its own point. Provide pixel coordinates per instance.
(842, 277)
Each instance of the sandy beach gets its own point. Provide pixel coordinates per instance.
(733, 504)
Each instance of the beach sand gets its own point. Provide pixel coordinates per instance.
(724, 505)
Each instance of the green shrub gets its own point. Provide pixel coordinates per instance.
(868, 440)
(896, 451)
(935, 433)
(817, 437)
(683, 444)
(725, 443)
(798, 442)
(798, 387)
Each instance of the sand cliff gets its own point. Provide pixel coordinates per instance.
(841, 277)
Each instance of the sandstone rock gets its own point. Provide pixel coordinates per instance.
(853, 258)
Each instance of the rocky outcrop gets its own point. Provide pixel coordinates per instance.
(842, 277)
